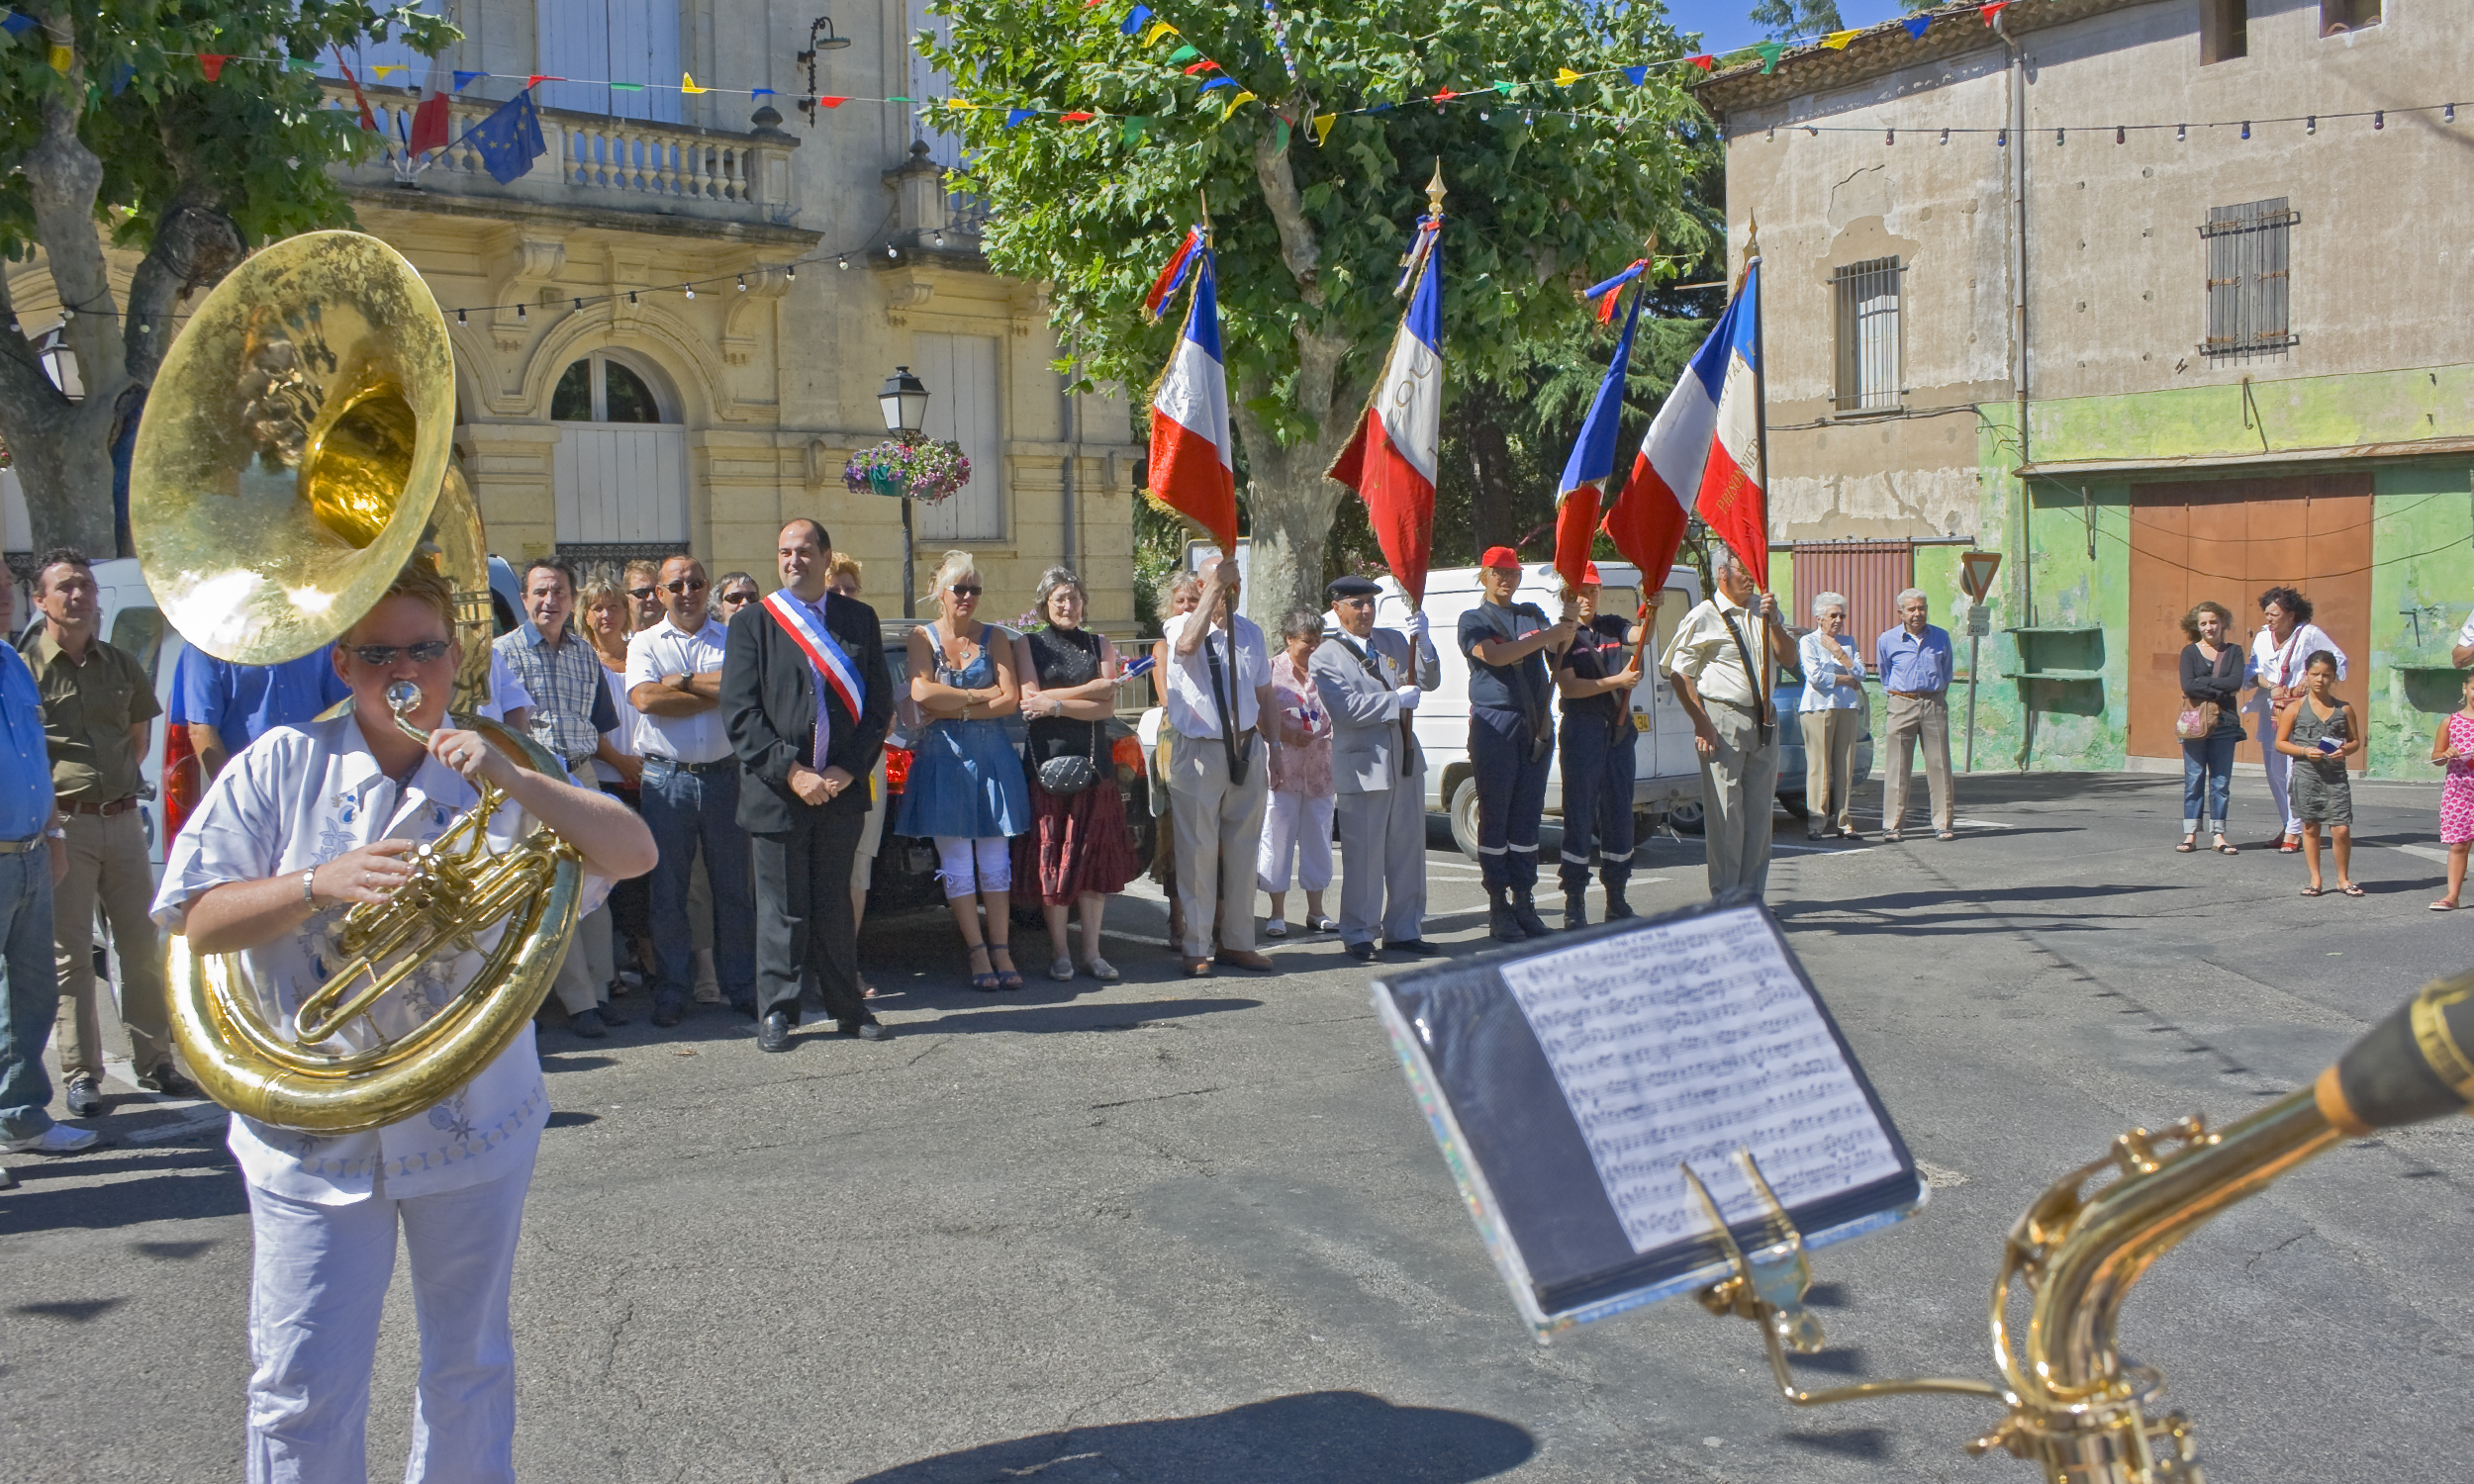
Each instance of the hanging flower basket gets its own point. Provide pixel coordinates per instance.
(928, 473)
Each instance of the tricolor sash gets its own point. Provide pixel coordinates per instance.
(818, 644)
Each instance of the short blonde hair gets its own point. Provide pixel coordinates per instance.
(420, 580)
(843, 562)
(598, 590)
(957, 564)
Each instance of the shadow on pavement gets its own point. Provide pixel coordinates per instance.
(171, 1195)
(1334, 1435)
(1035, 1020)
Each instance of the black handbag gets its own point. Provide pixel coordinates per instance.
(1066, 776)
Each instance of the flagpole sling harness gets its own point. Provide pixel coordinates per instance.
(1761, 704)
(1237, 754)
(1408, 719)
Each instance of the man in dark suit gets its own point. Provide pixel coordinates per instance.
(787, 682)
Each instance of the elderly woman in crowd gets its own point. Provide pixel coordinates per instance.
(1183, 590)
(736, 591)
(2213, 666)
(1832, 715)
(2286, 641)
(1303, 795)
(966, 790)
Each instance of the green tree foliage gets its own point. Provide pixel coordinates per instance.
(126, 140)
(1309, 236)
(1802, 20)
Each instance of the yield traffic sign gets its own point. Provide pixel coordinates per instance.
(1975, 572)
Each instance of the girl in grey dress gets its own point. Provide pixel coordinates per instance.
(2320, 733)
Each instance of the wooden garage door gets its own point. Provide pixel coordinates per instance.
(2228, 541)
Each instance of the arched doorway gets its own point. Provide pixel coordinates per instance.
(619, 477)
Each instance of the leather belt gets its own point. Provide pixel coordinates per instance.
(1917, 694)
(82, 807)
(675, 766)
(21, 847)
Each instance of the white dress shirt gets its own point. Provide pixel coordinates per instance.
(629, 738)
(1191, 709)
(293, 799)
(667, 649)
(1823, 672)
(2282, 664)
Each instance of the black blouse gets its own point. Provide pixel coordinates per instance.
(2220, 683)
(1062, 659)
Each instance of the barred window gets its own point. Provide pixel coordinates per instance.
(1867, 295)
(2249, 268)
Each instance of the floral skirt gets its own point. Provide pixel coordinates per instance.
(1075, 845)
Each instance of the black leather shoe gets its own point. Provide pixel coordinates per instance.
(774, 1034)
(587, 1024)
(1416, 948)
(84, 1096)
(1364, 953)
(1501, 921)
(866, 1028)
(168, 1081)
(1525, 912)
(609, 1014)
(668, 1012)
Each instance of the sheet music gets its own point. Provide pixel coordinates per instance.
(1685, 1043)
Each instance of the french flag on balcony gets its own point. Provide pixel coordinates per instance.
(1191, 471)
(1703, 452)
(1390, 459)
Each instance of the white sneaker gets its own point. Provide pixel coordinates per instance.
(59, 1139)
(1275, 928)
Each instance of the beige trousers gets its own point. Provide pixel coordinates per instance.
(1215, 822)
(584, 976)
(1739, 789)
(1913, 718)
(1830, 767)
(107, 869)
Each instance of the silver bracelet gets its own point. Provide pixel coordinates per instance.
(309, 895)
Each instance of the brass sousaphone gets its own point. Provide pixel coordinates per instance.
(295, 453)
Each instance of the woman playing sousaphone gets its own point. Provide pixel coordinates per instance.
(302, 825)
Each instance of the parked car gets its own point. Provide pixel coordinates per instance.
(904, 879)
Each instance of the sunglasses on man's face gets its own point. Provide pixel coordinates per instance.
(684, 586)
(428, 651)
(642, 594)
(964, 589)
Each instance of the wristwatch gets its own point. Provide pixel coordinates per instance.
(308, 894)
(681, 682)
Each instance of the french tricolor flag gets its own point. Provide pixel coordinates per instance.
(1390, 460)
(1703, 452)
(1191, 471)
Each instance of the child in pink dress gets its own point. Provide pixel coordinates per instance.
(2454, 748)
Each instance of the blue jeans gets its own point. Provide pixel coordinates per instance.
(2208, 775)
(685, 811)
(34, 986)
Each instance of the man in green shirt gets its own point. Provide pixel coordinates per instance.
(98, 706)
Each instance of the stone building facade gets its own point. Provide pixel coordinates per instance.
(2165, 300)
(603, 411)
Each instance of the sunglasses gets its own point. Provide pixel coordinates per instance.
(684, 586)
(641, 594)
(426, 652)
(736, 597)
(964, 589)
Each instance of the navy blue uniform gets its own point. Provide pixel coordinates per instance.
(1597, 762)
(1511, 739)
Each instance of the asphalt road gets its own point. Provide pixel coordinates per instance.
(1196, 1231)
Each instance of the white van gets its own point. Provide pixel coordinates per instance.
(1666, 774)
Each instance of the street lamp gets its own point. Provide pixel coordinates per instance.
(903, 402)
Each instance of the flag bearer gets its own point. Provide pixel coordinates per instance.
(1595, 678)
(1511, 737)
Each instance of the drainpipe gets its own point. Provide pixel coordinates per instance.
(2019, 291)
(1073, 458)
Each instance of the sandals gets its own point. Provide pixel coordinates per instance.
(1008, 978)
(2190, 843)
(2350, 889)
(2288, 846)
(2443, 905)
(1102, 971)
(2313, 891)
(986, 983)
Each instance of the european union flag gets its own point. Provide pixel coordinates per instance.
(509, 140)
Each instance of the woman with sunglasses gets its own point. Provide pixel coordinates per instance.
(736, 591)
(966, 790)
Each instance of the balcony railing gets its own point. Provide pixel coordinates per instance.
(595, 161)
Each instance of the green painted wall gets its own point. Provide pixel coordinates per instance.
(2422, 548)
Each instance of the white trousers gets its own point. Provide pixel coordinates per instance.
(584, 976)
(1301, 822)
(318, 1288)
(2280, 773)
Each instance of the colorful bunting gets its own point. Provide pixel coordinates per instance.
(1134, 128)
(1219, 83)
(1916, 25)
(686, 83)
(465, 79)
(17, 23)
(121, 75)
(1836, 41)
(1204, 65)
(1134, 19)
(298, 64)
(63, 59)
(1771, 51)
(626, 87)
(537, 78)
(752, 93)
(1636, 75)
(1280, 134)
(1992, 10)
(1704, 61)
(382, 69)
(1322, 128)
(213, 65)
(1015, 115)
(831, 102)
(1185, 54)
(1564, 77)
(1158, 30)
(1234, 104)
(1078, 117)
